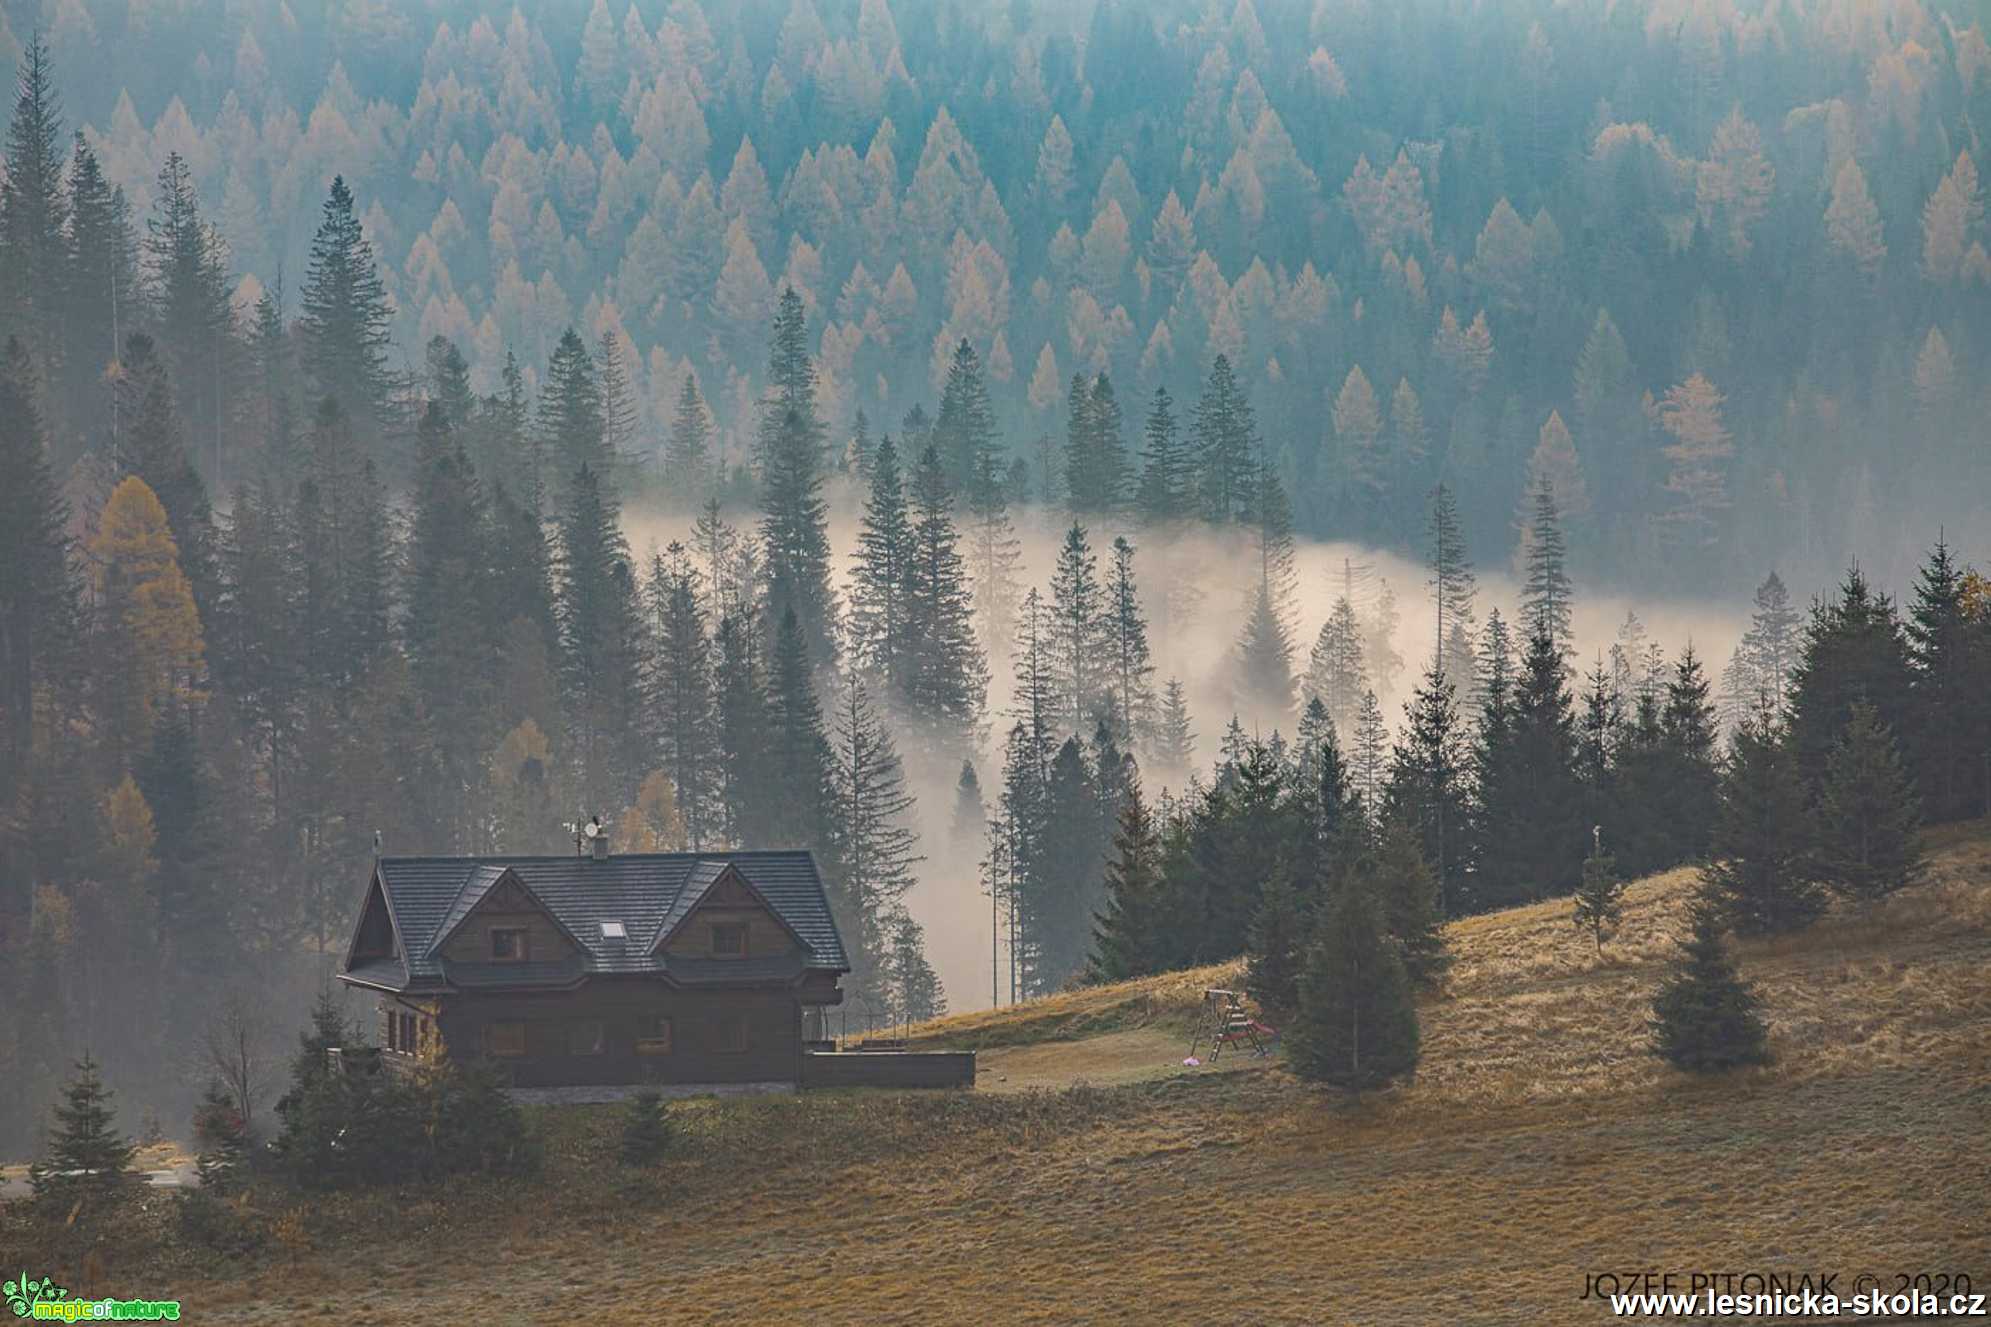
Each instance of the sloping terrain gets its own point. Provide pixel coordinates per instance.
(1540, 1142)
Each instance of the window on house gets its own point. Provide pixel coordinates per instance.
(729, 940)
(614, 931)
(508, 944)
(732, 1033)
(584, 1037)
(507, 1039)
(393, 1031)
(656, 1037)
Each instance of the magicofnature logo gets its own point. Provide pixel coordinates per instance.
(23, 1293)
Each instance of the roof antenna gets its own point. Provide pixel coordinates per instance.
(376, 846)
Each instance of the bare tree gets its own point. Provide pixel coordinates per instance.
(235, 1050)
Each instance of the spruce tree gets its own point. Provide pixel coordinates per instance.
(1766, 654)
(34, 209)
(1370, 750)
(1095, 457)
(1175, 740)
(448, 381)
(798, 753)
(1867, 844)
(971, 815)
(1127, 940)
(1704, 1017)
(1452, 584)
(946, 683)
(1264, 655)
(746, 794)
(1599, 900)
(86, 1160)
(1686, 807)
(965, 431)
(600, 650)
(1132, 685)
(880, 636)
(1336, 673)
(1853, 651)
(1761, 867)
(870, 848)
(1545, 599)
(794, 516)
(1356, 1025)
(1949, 711)
(346, 312)
(220, 1140)
(1166, 494)
(154, 448)
(188, 283)
(1425, 788)
(647, 1129)
(1407, 894)
(681, 694)
(1079, 633)
(37, 593)
(915, 992)
(573, 430)
(1276, 946)
(1226, 447)
(687, 456)
(100, 286)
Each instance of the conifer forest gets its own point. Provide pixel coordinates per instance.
(1099, 473)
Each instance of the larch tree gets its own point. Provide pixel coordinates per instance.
(1358, 428)
(155, 630)
(1697, 458)
(1852, 222)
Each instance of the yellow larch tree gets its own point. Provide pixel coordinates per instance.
(148, 604)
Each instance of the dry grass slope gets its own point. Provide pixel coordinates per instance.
(1540, 1141)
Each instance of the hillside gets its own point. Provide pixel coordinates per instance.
(1539, 1142)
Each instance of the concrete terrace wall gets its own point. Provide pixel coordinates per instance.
(888, 1069)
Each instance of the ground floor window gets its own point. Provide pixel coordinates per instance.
(507, 1038)
(655, 1038)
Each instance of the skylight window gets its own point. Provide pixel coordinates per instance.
(613, 931)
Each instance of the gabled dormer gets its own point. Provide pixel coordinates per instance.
(375, 936)
(497, 919)
(724, 917)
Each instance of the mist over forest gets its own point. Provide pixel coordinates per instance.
(425, 425)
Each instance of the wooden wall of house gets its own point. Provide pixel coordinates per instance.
(729, 904)
(472, 944)
(626, 1010)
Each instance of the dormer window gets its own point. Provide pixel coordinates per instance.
(729, 940)
(614, 931)
(509, 944)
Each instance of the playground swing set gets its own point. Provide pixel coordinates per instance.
(1225, 1022)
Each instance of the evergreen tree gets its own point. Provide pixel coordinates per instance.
(745, 739)
(1063, 885)
(798, 754)
(618, 403)
(1531, 837)
(345, 312)
(1545, 599)
(600, 651)
(1226, 447)
(1166, 493)
(573, 430)
(1452, 585)
(1336, 674)
(154, 450)
(1867, 844)
(1704, 1018)
(1096, 455)
(1079, 632)
(34, 209)
(681, 694)
(1175, 740)
(916, 995)
(1853, 651)
(1760, 870)
(870, 846)
(1132, 686)
(1425, 788)
(86, 1161)
(448, 375)
(37, 593)
(220, 1139)
(1600, 898)
(1265, 653)
(794, 516)
(1766, 655)
(946, 682)
(971, 816)
(647, 1130)
(880, 629)
(1277, 946)
(187, 269)
(688, 457)
(100, 286)
(1686, 806)
(1407, 894)
(1370, 750)
(965, 432)
(1949, 712)
(1356, 1026)
(1128, 937)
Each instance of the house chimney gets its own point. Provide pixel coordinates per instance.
(597, 836)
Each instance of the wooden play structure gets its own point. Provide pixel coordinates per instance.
(1226, 1022)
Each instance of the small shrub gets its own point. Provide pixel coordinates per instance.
(211, 1222)
(646, 1129)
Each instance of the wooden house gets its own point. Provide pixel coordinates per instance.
(594, 969)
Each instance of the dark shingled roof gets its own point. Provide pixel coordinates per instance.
(649, 893)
